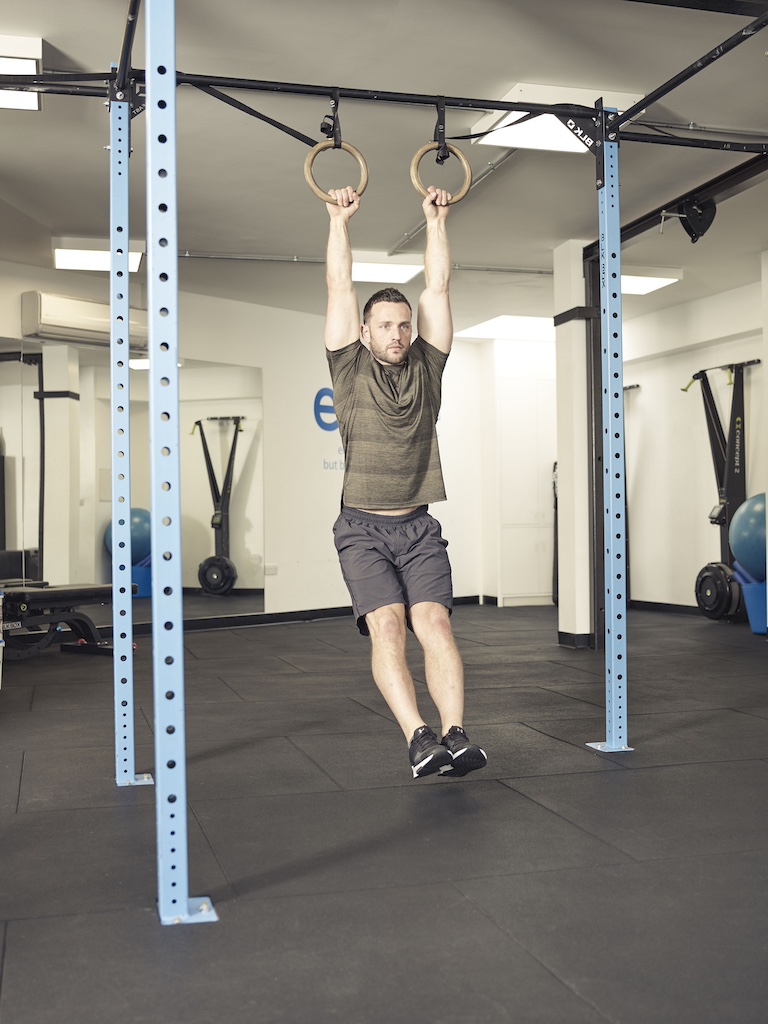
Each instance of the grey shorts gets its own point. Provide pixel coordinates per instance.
(392, 560)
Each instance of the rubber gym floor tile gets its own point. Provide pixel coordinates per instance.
(675, 666)
(301, 685)
(70, 695)
(714, 692)
(16, 698)
(514, 703)
(511, 656)
(521, 672)
(650, 943)
(330, 661)
(649, 698)
(748, 661)
(104, 858)
(10, 780)
(212, 724)
(514, 750)
(515, 638)
(674, 737)
(287, 642)
(200, 687)
(60, 778)
(249, 662)
(304, 961)
(495, 704)
(758, 712)
(45, 729)
(407, 835)
(281, 636)
(247, 768)
(225, 644)
(52, 667)
(685, 810)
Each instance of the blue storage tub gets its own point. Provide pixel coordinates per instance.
(754, 599)
(141, 576)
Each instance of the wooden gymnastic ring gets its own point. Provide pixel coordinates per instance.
(416, 180)
(328, 144)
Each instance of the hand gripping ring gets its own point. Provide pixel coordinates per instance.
(309, 177)
(416, 180)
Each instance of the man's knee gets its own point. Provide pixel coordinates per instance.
(431, 621)
(387, 624)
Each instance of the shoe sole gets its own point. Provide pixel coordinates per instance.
(431, 764)
(465, 761)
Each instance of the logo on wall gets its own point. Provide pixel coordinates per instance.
(325, 413)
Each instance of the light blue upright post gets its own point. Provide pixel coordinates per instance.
(122, 611)
(615, 543)
(174, 903)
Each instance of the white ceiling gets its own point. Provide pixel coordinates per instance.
(240, 181)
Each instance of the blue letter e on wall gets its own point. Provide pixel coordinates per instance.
(325, 414)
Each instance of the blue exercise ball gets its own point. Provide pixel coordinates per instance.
(140, 535)
(746, 536)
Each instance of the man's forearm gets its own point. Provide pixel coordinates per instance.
(437, 257)
(338, 261)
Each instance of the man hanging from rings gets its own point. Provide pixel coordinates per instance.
(387, 392)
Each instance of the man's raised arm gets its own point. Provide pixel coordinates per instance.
(342, 324)
(435, 323)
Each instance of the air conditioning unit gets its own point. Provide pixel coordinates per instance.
(59, 318)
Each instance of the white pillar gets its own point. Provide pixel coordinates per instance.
(759, 380)
(573, 452)
(61, 522)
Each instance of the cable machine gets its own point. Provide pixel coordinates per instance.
(217, 574)
(718, 594)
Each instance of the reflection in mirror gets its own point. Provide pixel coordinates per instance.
(21, 456)
(55, 445)
(212, 394)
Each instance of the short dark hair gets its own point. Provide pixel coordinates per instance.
(385, 295)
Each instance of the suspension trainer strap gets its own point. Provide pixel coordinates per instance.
(442, 149)
(255, 113)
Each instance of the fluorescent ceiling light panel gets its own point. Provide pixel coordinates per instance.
(642, 280)
(546, 131)
(633, 285)
(380, 268)
(20, 55)
(91, 254)
(513, 328)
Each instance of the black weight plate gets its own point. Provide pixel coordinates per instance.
(217, 575)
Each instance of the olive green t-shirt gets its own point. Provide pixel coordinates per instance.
(387, 418)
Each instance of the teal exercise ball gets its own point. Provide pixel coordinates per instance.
(746, 536)
(140, 535)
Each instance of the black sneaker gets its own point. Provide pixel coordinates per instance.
(465, 756)
(427, 754)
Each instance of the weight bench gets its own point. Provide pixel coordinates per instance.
(33, 614)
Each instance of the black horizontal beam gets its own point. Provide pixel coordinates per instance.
(703, 143)
(124, 67)
(693, 69)
(724, 186)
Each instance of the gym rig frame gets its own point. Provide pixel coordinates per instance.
(131, 92)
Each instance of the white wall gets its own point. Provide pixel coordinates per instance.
(518, 414)
(20, 431)
(671, 483)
